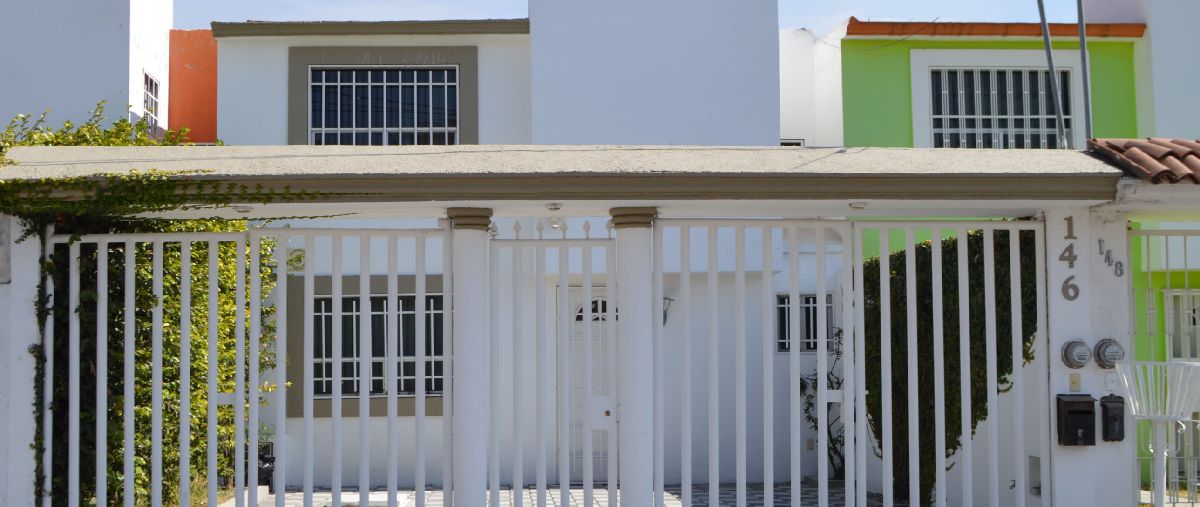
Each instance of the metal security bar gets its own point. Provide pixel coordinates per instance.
(189, 313)
(951, 288)
(383, 105)
(553, 313)
(722, 279)
(997, 108)
(1165, 276)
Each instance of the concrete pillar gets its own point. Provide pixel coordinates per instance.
(635, 356)
(1100, 474)
(469, 424)
(18, 331)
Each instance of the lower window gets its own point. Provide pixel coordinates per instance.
(807, 333)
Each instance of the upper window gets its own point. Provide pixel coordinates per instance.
(996, 108)
(405, 345)
(150, 100)
(377, 106)
(993, 98)
(808, 334)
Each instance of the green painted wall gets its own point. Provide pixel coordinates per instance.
(877, 87)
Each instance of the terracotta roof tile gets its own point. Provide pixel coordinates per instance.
(1156, 160)
(859, 28)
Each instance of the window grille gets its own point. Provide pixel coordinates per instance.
(150, 100)
(406, 366)
(383, 106)
(997, 108)
(808, 319)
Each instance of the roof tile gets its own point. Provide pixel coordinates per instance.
(1156, 160)
(859, 28)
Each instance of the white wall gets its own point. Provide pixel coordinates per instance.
(65, 55)
(18, 331)
(253, 73)
(149, 53)
(669, 72)
(810, 81)
(1167, 104)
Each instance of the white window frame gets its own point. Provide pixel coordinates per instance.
(385, 130)
(1183, 339)
(923, 61)
(148, 97)
(808, 312)
(401, 360)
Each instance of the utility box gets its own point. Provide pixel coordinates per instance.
(1076, 419)
(1112, 418)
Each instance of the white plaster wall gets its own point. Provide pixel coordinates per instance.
(18, 331)
(827, 72)
(810, 80)
(149, 52)
(701, 72)
(253, 73)
(66, 56)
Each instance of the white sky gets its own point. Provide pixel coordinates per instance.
(817, 15)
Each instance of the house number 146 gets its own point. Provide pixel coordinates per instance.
(1070, 291)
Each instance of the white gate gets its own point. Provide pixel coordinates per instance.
(551, 350)
(222, 300)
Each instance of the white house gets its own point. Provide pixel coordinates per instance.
(74, 54)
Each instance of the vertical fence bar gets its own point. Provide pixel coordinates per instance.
(239, 377)
(156, 382)
(849, 366)
(391, 386)
(685, 366)
(185, 372)
(281, 388)
(659, 322)
(939, 371)
(518, 412)
(542, 356)
(310, 249)
(130, 291)
(1043, 387)
(494, 381)
(447, 364)
(420, 312)
(73, 367)
(253, 365)
(366, 353)
(586, 426)
(822, 377)
(885, 349)
(910, 305)
(793, 331)
(336, 389)
(768, 369)
(714, 364)
(739, 354)
(48, 383)
(964, 360)
(102, 373)
(860, 372)
(214, 335)
(610, 340)
(1018, 360)
(989, 306)
(564, 376)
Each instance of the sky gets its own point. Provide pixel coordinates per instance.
(820, 16)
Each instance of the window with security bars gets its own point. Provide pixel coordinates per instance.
(997, 108)
(406, 367)
(808, 335)
(150, 100)
(383, 106)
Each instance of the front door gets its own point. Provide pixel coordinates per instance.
(592, 405)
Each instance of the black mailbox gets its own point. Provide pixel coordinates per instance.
(1112, 418)
(1076, 419)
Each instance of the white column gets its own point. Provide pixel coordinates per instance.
(635, 353)
(469, 341)
(1084, 475)
(19, 331)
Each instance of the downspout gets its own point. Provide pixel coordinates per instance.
(1062, 137)
(1087, 77)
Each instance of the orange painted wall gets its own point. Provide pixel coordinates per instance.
(193, 93)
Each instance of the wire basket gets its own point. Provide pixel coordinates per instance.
(1161, 391)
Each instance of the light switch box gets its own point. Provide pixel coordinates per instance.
(1076, 384)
